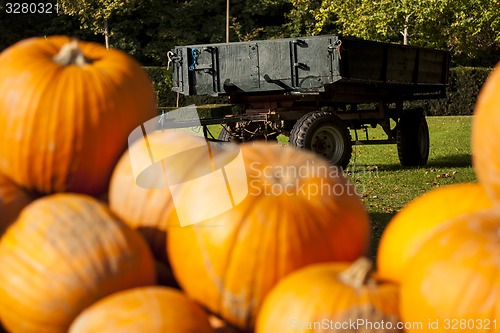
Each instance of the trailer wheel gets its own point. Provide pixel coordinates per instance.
(224, 135)
(324, 134)
(413, 139)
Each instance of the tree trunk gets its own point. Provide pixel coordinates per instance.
(106, 34)
(405, 30)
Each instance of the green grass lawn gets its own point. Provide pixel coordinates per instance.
(386, 186)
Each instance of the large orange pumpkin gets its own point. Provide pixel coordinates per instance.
(485, 135)
(12, 200)
(63, 253)
(149, 210)
(453, 282)
(66, 110)
(146, 309)
(331, 297)
(415, 222)
(299, 210)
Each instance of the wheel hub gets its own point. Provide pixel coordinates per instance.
(327, 142)
(321, 145)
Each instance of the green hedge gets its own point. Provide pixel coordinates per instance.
(465, 83)
(208, 110)
(162, 81)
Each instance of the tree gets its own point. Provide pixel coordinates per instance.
(165, 24)
(152, 27)
(471, 27)
(383, 20)
(474, 32)
(302, 18)
(260, 19)
(15, 27)
(95, 14)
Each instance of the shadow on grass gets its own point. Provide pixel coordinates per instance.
(458, 160)
(379, 222)
(450, 161)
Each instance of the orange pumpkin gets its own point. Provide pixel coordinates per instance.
(414, 223)
(331, 297)
(452, 283)
(12, 200)
(299, 210)
(146, 309)
(63, 253)
(485, 139)
(66, 110)
(149, 210)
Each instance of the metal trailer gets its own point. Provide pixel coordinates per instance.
(315, 89)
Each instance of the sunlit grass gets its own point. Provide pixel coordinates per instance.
(386, 186)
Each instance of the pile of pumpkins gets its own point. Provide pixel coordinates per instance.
(84, 248)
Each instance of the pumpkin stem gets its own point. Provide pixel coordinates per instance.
(71, 54)
(358, 274)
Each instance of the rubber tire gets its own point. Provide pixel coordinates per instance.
(224, 135)
(413, 139)
(303, 132)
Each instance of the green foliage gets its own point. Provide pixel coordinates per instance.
(465, 85)
(94, 13)
(471, 28)
(384, 20)
(474, 32)
(147, 29)
(15, 27)
(162, 83)
(262, 19)
(302, 18)
(209, 111)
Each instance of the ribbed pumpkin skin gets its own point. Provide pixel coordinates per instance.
(485, 138)
(455, 277)
(64, 127)
(230, 262)
(146, 309)
(414, 223)
(148, 210)
(317, 294)
(12, 200)
(62, 254)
